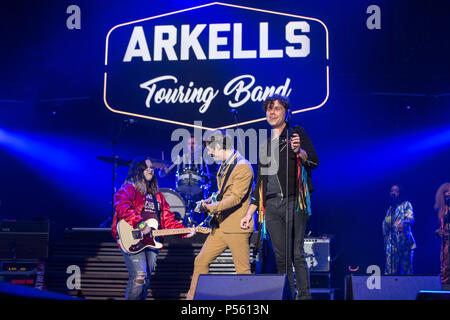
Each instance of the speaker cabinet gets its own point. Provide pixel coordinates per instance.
(242, 287)
(24, 240)
(433, 295)
(12, 291)
(317, 254)
(399, 287)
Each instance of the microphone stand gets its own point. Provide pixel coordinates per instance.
(447, 237)
(392, 209)
(114, 147)
(392, 237)
(235, 114)
(123, 125)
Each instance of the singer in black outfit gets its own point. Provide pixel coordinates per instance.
(272, 194)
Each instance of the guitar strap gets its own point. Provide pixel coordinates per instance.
(156, 203)
(213, 221)
(157, 207)
(230, 169)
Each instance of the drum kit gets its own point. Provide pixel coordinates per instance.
(192, 184)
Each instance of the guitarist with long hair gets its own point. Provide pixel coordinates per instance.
(234, 182)
(136, 202)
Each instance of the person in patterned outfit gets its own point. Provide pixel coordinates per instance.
(399, 242)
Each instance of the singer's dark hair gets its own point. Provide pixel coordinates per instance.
(270, 100)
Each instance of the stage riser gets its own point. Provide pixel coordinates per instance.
(104, 274)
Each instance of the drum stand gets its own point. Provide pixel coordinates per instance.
(124, 124)
(190, 216)
(188, 221)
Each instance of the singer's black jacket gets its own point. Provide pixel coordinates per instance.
(293, 188)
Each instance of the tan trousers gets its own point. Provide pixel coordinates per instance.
(215, 244)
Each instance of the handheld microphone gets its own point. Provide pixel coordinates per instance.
(233, 111)
(287, 117)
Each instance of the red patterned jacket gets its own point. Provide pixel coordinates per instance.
(129, 202)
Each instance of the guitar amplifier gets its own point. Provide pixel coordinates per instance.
(317, 254)
(18, 272)
(24, 239)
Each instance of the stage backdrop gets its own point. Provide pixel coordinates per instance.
(368, 80)
(197, 63)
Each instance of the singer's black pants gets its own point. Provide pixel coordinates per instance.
(275, 211)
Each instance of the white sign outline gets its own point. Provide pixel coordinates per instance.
(199, 7)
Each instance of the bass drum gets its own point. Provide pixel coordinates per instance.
(190, 181)
(175, 202)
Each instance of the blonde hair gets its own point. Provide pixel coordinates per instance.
(440, 204)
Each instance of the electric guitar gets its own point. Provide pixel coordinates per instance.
(133, 240)
(209, 222)
(199, 203)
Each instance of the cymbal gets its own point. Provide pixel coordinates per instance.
(159, 164)
(156, 163)
(119, 161)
